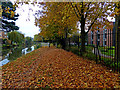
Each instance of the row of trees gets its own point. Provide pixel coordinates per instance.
(17, 38)
(59, 20)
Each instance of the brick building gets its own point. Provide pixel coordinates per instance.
(102, 37)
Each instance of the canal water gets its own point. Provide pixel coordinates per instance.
(14, 53)
(9, 55)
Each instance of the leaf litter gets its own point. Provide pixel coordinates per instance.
(56, 68)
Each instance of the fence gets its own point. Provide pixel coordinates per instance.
(104, 48)
(100, 46)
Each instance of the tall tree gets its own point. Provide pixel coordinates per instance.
(117, 28)
(55, 23)
(9, 14)
(16, 37)
(89, 14)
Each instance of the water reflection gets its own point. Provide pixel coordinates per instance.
(14, 53)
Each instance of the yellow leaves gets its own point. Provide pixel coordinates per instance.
(8, 8)
(1, 10)
(15, 5)
(117, 4)
(73, 3)
(35, 23)
(12, 13)
(64, 17)
(116, 9)
(101, 76)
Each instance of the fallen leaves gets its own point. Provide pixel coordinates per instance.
(56, 68)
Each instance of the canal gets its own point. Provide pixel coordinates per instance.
(12, 54)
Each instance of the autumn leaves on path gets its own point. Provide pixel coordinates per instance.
(56, 68)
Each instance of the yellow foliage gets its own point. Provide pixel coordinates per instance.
(1, 10)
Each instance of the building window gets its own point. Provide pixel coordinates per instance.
(105, 35)
(92, 36)
(105, 43)
(105, 30)
(98, 36)
(98, 43)
(91, 42)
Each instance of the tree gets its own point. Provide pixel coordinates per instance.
(117, 28)
(9, 14)
(84, 12)
(89, 14)
(56, 24)
(75, 38)
(28, 41)
(37, 38)
(16, 37)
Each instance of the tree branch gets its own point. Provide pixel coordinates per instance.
(87, 11)
(75, 12)
(91, 24)
(94, 21)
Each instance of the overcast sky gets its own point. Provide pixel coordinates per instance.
(25, 26)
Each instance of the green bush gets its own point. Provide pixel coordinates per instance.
(3, 45)
(14, 44)
(89, 55)
(37, 46)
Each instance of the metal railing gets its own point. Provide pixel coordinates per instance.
(103, 50)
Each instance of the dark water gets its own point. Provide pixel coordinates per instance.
(9, 55)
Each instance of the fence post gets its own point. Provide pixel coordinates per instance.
(78, 43)
(99, 54)
(96, 46)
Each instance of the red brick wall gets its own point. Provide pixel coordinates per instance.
(108, 39)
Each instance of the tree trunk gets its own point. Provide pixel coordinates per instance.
(62, 43)
(82, 32)
(64, 40)
(78, 42)
(117, 45)
(49, 44)
(82, 42)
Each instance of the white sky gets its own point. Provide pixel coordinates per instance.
(25, 26)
